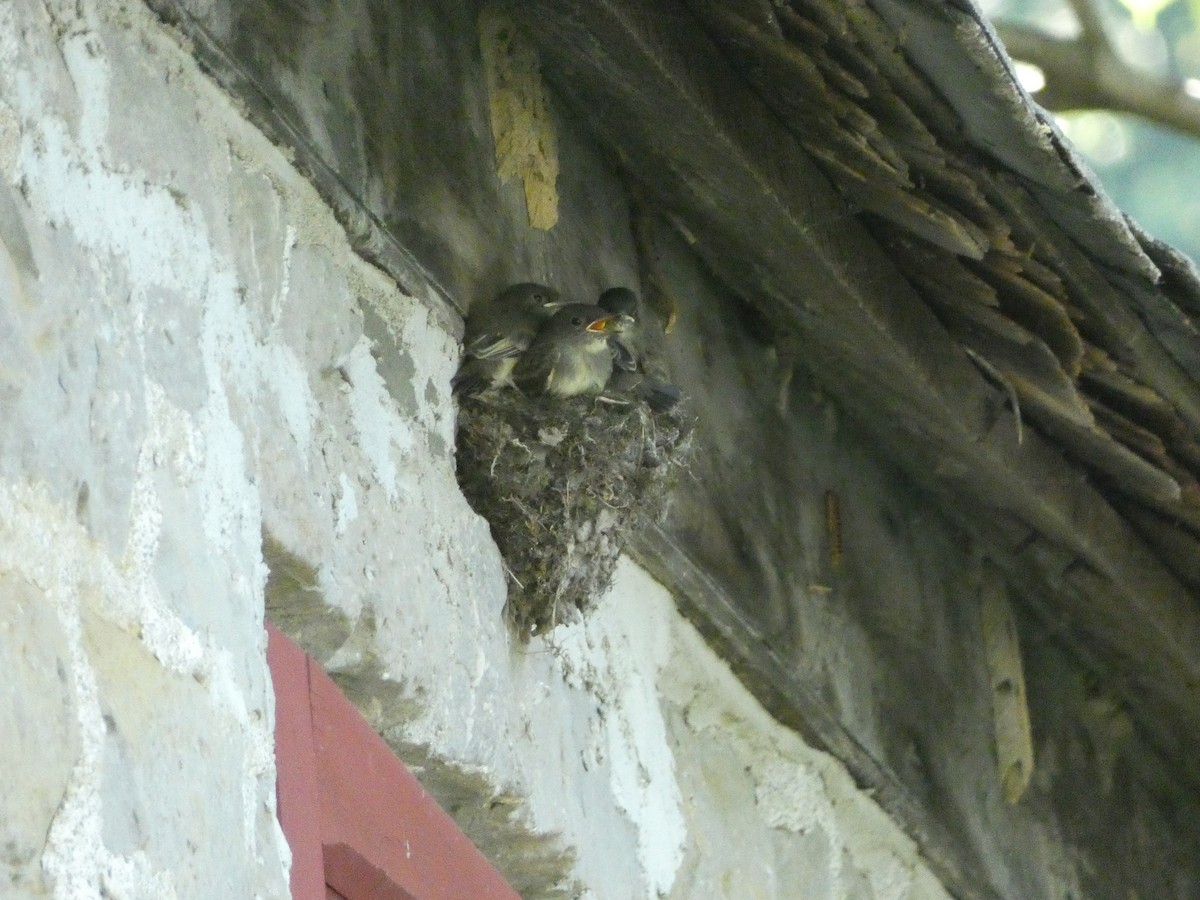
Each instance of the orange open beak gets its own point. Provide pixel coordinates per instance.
(603, 325)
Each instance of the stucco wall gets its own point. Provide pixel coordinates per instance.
(192, 356)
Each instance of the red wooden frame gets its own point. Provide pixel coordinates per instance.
(360, 825)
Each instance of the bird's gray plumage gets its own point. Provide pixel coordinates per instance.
(498, 333)
(570, 356)
(637, 353)
(626, 345)
(660, 395)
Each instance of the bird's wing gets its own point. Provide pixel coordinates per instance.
(537, 369)
(623, 357)
(498, 333)
(493, 346)
(661, 395)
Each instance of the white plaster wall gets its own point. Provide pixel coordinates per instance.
(183, 361)
(725, 802)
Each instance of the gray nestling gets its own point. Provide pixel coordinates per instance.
(637, 358)
(571, 355)
(499, 332)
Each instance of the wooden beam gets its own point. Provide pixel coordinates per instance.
(707, 150)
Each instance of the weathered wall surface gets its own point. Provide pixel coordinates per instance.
(137, 707)
(193, 357)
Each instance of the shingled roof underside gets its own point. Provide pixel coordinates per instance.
(1040, 376)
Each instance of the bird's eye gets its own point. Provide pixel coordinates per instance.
(540, 298)
(576, 320)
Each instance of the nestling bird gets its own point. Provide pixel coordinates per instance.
(571, 355)
(637, 359)
(626, 345)
(499, 332)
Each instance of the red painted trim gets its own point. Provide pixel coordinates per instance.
(372, 803)
(297, 786)
(380, 835)
(348, 870)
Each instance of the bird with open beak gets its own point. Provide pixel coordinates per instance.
(638, 369)
(570, 356)
(499, 332)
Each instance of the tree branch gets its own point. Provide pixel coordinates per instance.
(1087, 73)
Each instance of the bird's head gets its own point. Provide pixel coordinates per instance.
(620, 300)
(579, 321)
(534, 297)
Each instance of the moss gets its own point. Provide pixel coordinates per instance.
(563, 483)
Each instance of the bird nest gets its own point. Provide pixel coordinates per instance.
(563, 484)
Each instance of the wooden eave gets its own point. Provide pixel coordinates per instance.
(872, 179)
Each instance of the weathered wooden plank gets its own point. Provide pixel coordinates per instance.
(1010, 710)
(772, 678)
(706, 149)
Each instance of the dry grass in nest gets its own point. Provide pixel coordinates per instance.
(563, 484)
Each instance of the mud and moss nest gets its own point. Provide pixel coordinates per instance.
(563, 484)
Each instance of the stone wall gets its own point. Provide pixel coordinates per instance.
(211, 403)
